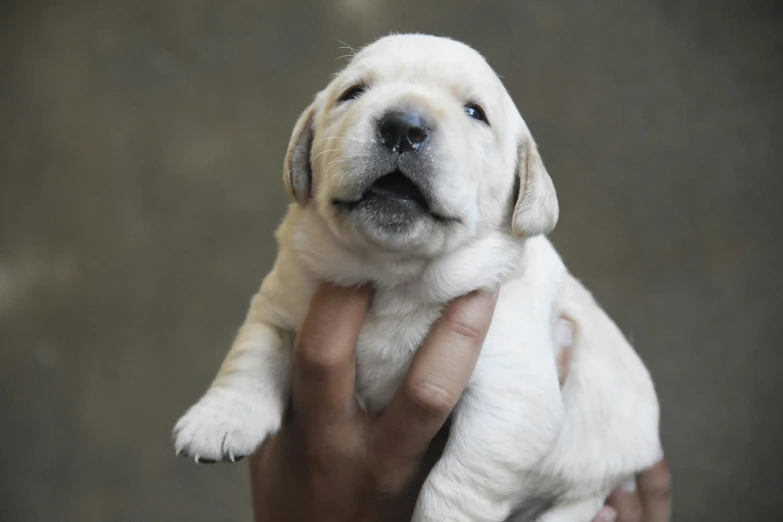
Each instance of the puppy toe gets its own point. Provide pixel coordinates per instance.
(216, 430)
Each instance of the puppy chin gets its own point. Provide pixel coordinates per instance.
(392, 226)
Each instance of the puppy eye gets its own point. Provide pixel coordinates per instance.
(476, 112)
(352, 93)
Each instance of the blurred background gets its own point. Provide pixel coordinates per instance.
(141, 151)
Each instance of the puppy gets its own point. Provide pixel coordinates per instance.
(413, 170)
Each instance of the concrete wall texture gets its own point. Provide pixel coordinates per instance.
(141, 152)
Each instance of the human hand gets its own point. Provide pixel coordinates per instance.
(330, 461)
(651, 502)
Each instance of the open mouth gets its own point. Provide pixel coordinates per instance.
(395, 186)
(394, 189)
(395, 193)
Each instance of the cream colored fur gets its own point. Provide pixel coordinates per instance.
(518, 440)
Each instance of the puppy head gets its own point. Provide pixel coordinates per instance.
(416, 148)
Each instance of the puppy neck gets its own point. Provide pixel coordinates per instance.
(482, 264)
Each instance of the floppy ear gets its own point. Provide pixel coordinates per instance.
(297, 170)
(536, 209)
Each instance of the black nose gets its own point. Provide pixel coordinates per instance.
(403, 131)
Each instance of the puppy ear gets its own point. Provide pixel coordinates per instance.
(536, 210)
(297, 169)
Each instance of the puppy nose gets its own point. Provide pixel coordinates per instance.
(403, 131)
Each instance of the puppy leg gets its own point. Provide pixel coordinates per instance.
(500, 430)
(581, 511)
(246, 401)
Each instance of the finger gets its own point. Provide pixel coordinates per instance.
(606, 514)
(626, 505)
(435, 380)
(563, 361)
(564, 343)
(655, 492)
(323, 371)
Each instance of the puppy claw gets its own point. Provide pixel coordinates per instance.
(225, 429)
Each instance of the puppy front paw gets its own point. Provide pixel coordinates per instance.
(226, 425)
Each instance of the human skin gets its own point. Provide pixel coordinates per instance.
(333, 462)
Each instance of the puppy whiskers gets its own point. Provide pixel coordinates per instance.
(335, 162)
(339, 160)
(347, 47)
(344, 45)
(324, 152)
(343, 139)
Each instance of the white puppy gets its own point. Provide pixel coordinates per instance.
(414, 170)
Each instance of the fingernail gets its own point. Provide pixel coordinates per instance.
(491, 294)
(606, 514)
(564, 333)
(629, 485)
(483, 293)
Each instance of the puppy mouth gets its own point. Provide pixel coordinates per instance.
(395, 194)
(396, 186)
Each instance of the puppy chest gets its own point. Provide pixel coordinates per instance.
(385, 350)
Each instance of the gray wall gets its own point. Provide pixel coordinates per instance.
(141, 149)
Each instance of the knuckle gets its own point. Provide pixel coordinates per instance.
(661, 487)
(466, 328)
(317, 460)
(431, 398)
(326, 450)
(634, 514)
(315, 357)
(386, 484)
(657, 482)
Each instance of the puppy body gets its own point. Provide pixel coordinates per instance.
(518, 441)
